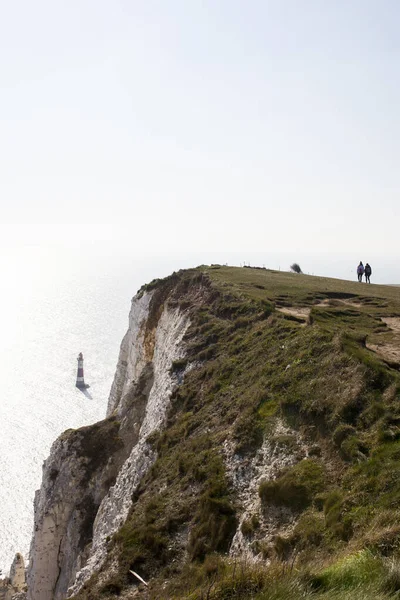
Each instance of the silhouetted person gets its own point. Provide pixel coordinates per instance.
(367, 272)
(360, 271)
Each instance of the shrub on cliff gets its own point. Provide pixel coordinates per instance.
(295, 267)
(296, 488)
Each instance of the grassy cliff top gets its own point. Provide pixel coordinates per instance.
(370, 311)
(259, 283)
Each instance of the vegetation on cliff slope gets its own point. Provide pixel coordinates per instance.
(321, 355)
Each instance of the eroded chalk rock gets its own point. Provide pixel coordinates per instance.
(14, 586)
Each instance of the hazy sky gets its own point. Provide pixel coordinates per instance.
(184, 125)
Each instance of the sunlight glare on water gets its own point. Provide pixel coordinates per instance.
(53, 306)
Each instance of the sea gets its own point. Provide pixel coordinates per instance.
(54, 303)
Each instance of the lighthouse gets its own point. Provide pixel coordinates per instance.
(80, 381)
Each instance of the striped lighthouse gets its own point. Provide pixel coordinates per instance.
(80, 381)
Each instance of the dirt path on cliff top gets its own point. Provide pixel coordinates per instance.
(295, 311)
(303, 312)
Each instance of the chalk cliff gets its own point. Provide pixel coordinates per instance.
(92, 473)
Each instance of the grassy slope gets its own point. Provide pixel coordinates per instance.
(298, 287)
(344, 399)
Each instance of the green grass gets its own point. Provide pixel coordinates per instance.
(256, 365)
(361, 575)
(262, 284)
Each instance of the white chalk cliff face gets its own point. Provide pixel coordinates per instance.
(131, 358)
(91, 473)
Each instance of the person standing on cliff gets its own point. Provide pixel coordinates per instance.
(367, 272)
(360, 271)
